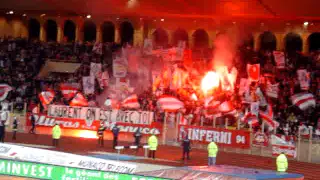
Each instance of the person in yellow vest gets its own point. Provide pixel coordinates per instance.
(56, 134)
(282, 163)
(212, 153)
(153, 145)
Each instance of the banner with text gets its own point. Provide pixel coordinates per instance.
(224, 137)
(51, 172)
(42, 120)
(36, 155)
(89, 114)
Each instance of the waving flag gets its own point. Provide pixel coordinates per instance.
(131, 102)
(303, 100)
(97, 48)
(267, 117)
(4, 90)
(46, 97)
(253, 71)
(226, 107)
(68, 90)
(251, 118)
(169, 103)
(79, 100)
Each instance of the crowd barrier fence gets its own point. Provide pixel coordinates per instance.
(307, 149)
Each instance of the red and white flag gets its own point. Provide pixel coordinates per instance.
(4, 90)
(36, 110)
(303, 100)
(79, 100)
(226, 107)
(69, 90)
(46, 97)
(169, 103)
(103, 79)
(97, 48)
(131, 102)
(304, 79)
(251, 118)
(253, 71)
(267, 117)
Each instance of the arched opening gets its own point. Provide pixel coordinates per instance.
(69, 30)
(90, 31)
(248, 41)
(314, 42)
(200, 39)
(52, 30)
(34, 29)
(268, 41)
(160, 37)
(293, 42)
(180, 35)
(126, 31)
(108, 31)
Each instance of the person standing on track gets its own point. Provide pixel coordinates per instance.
(3, 118)
(186, 145)
(33, 124)
(56, 134)
(115, 132)
(282, 163)
(137, 138)
(153, 145)
(14, 128)
(212, 153)
(101, 134)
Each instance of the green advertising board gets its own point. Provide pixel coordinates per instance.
(45, 171)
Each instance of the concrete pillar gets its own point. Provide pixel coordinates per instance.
(117, 38)
(60, 28)
(212, 36)
(170, 37)
(256, 38)
(79, 30)
(305, 44)
(190, 38)
(43, 31)
(99, 32)
(138, 35)
(280, 40)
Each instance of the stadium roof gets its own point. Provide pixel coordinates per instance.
(222, 9)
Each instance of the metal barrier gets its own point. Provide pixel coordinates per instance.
(119, 148)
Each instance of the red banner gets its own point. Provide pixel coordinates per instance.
(42, 120)
(260, 139)
(289, 151)
(224, 137)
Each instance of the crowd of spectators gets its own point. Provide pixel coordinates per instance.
(21, 61)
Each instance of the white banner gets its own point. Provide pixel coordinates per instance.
(91, 114)
(272, 90)
(280, 59)
(147, 47)
(120, 67)
(95, 69)
(88, 84)
(63, 159)
(244, 86)
(304, 79)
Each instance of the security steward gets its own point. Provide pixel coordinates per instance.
(212, 153)
(153, 145)
(186, 145)
(115, 132)
(56, 134)
(14, 128)
(282, 163)
(100, 134)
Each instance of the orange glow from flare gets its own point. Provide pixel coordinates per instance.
(210, 81)
(194, 97)
(87, 134)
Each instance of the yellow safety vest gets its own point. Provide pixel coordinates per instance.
(212, 149)
(153, 143)
(56, 132)
(282, 163)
